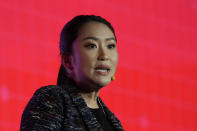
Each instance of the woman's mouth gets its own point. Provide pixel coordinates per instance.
(102, 69)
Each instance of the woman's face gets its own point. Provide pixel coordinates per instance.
(94, 59)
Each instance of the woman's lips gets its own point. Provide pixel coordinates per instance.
(102, 69)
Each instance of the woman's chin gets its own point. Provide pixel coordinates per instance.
(102, 82)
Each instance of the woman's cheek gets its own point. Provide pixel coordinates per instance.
(115, 58)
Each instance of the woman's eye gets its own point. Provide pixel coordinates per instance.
(91, 46)
(111, 46)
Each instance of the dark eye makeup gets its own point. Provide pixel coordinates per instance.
(111, 46)
(90, 46)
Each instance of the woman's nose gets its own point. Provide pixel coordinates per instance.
(102, 55)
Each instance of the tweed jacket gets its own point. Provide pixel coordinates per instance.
(55, 108)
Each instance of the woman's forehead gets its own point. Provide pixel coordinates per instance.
(95, 29)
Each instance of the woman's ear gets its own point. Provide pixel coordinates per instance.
(67, 63)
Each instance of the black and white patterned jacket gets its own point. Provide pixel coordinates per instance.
(54, 108)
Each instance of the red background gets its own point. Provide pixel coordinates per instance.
(155, 86)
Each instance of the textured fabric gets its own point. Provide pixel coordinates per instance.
(54, 108)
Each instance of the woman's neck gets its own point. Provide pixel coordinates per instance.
(91, 99)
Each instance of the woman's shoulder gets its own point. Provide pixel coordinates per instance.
(45, 109)
(50, 97)
(51, 90)
(48, 89)
(51, 93)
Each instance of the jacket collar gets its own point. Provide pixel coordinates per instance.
(87, 115)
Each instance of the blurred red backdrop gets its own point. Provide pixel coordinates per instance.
(155, 86)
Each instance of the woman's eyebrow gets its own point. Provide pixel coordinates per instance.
(111, 38)
(96, 39)
(90, 38)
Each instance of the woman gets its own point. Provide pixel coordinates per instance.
(89, 59)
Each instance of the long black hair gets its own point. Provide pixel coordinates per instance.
(69, 33)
